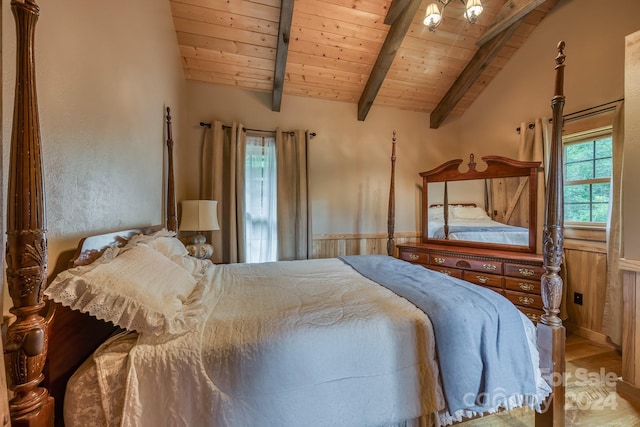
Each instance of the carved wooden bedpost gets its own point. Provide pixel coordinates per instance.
(26, 343)
(172, 219)
(551, 333)
(391, 214)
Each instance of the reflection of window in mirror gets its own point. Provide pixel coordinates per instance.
(587, 176)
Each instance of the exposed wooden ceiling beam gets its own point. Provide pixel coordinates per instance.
(511, 11)
(471, 72)
(284, 32)
(385, 58)
(395, 9)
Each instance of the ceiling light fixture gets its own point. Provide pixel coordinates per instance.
(433, 16)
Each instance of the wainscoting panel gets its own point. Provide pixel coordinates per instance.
(587, 275)
(334, 245)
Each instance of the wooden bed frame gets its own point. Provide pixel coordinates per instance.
(46, 332)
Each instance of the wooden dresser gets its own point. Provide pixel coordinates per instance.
(514, 275)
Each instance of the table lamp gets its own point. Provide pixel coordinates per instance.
(199, 215)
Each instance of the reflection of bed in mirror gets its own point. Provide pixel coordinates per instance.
(492, 208)
(473, 223)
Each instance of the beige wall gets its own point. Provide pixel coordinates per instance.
(105, 71)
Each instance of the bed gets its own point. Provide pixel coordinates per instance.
(337, 343)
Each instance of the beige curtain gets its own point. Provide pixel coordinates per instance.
(612, 318)
(222, 179)
(535, 140)
(294, 211)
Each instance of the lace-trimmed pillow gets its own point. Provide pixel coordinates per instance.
(137, 289)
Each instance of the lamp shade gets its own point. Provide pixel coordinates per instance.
(199, 215)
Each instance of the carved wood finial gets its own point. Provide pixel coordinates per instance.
(472, 162)
(560, 72)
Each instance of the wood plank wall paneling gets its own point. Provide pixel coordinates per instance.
(629, 317)
(586, 274)
(586, 268)
(334, 245)
(629, 386)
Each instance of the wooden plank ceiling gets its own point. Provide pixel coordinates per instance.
(343, 50)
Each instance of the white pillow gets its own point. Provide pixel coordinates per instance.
(436, 212)
(469, 212)
(136, 288)
(168, 246)
(166, 243)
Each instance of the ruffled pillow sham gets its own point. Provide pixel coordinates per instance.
(136, 287)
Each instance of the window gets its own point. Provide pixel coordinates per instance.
(261, 227)
(587, 175)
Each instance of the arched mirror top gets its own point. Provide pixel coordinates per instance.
(490, 207)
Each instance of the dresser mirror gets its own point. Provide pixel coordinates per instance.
(492, 206)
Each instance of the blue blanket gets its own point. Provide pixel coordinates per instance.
(480, 340)
(453, 229)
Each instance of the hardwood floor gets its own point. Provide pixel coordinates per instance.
(591, 398)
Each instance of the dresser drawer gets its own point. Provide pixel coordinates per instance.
(487, 266)
(522, 285)
(532, 272)
(533, 314)
(453, 272)
(419, 257)
(483, 279)
(524, 300)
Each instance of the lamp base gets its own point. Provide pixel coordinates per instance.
(198, 248)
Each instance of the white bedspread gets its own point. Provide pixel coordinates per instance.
(299, 343)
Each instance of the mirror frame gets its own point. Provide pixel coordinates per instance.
(497, 167)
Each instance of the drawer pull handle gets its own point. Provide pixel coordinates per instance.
(526, 286)
(526, 272)
(489, 267)
(535, 318)
(482, 279)
(448, 273)
(414, 257)
(525, 300)
(438, 260)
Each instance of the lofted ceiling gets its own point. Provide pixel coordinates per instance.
(343, 50)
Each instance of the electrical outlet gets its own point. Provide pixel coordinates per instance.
(577, 298)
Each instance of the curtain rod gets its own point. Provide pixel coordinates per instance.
(587, 112)
(208, 125)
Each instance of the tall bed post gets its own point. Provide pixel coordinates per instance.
(551, 333)
(172, 221)
(391, 213)
(27, 337)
